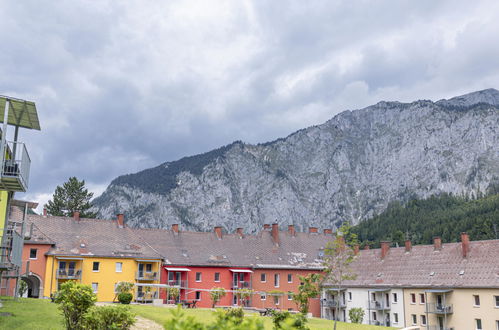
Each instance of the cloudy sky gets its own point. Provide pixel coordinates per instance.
(121, 86)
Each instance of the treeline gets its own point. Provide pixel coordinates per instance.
(443, 215)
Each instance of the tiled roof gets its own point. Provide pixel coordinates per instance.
(424, 266)
(91, 237)
(258, 251)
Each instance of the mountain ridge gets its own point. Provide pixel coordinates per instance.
(323, 174)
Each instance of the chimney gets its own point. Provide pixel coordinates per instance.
(239, 231)
(328, 231)
(465, 243)
(76, 215)
(356, 249)
(121, 220)
(291, 230)
(437, 243)
(275, 233)
(366, 247)
(266, 226)
(385, 247)
(408, 245)
(175, 228)
(45, 212)
(218, 232)
(312, 230)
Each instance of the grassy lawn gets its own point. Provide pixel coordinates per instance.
(42, 315)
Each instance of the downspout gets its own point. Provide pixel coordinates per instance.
(427, 307)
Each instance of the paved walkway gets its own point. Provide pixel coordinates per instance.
(143, 323)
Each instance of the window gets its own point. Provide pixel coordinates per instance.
(290, 278)
(95, 287)
(349, 296)
(395, 318)
(148, 268)
(421, 298)
(276, 280)
(478, 324)
(198, 295)
(373, 296)
(263, 277)
(395, 298)
(95, 266)
(217, 277)
(277, 300)
(119, 267)
(496, 298)
(263, 296)
(32, 253)
(413, 298)
(423, 319)
(497, 325)
(290, 296)
(198, 278)
(375, 316)
(414, 319)
(476, 300)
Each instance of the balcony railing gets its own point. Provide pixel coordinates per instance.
(68, 274)
(11, 249)
(436, 308)
(378, 322)
(14, 172)
(146, 276)
(437, 327)
(334, 303)
(177, 283)
(241, 285)
(143, 296)
(378, 305)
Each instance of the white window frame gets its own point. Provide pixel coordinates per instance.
(291, 278)
(476, 324)
(422, 299)
(290, 296)
(277, 280)
(496, 302)
(215, 277)
(98, 266)
(120, 268)
(263, 296)
(349, 295)
(200, 277)
(413, 301)
(423, 318)
(264, 277)
(200, 295)
(36, 254)
(414, 317)
(395, 298)
(95, 287)
(396, 318)
(475, 296)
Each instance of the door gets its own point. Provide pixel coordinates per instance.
(439, 302)
(62, 268)
(71, 268)
(141, 270)
(178, 278)
(241, 279)
(440, 323)
(236, 279)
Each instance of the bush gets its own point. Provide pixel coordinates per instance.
(179, 321)
(22, 288)
(74, 300)
(216, 294)
(356, 315)
(109, 318)
(125, 297)
(284, 320)
(233, 319)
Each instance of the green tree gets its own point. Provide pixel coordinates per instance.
(22, 288)
(216, 294)
(74, 300)
(338, 255)
(356, 315)
(71, 197)
(308, 288)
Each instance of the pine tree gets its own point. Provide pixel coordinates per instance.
(71, 197)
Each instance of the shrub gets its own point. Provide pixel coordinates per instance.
(233, 319)
(124, 287)
(284, 320)
(278, 317)
(109, 318)
(216, 294)
(23, 286)
(74, 300)
(179, 321)
(356, 315)
(125, 298)
(173, 293)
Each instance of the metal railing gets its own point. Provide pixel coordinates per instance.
(15, 171)
(68, 274)
(437, 327)
(146, 276)
(177, 283)
(436, 308)
(241, 285)
(11, 249)
(378, 305)
(143, 296)
(334, 303)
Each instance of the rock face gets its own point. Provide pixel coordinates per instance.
(348, 168)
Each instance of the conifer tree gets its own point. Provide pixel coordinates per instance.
(71, 197)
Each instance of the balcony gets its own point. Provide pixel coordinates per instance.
(241, 285)
(146, 276)
(14, 174)
(68, 274)
(143, 296)
(334, 303)
(436, 308)
(11, 249)
(378, 305)
(177, 283)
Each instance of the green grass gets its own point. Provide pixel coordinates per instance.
(162, 314)
(43, 315)
(30, 314)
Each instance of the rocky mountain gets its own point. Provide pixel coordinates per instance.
(348, 168)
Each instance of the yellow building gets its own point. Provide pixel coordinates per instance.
(99, 253)
(15, 166)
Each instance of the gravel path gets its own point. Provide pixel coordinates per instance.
(143, 323)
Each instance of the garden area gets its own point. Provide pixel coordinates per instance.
(42, 314)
